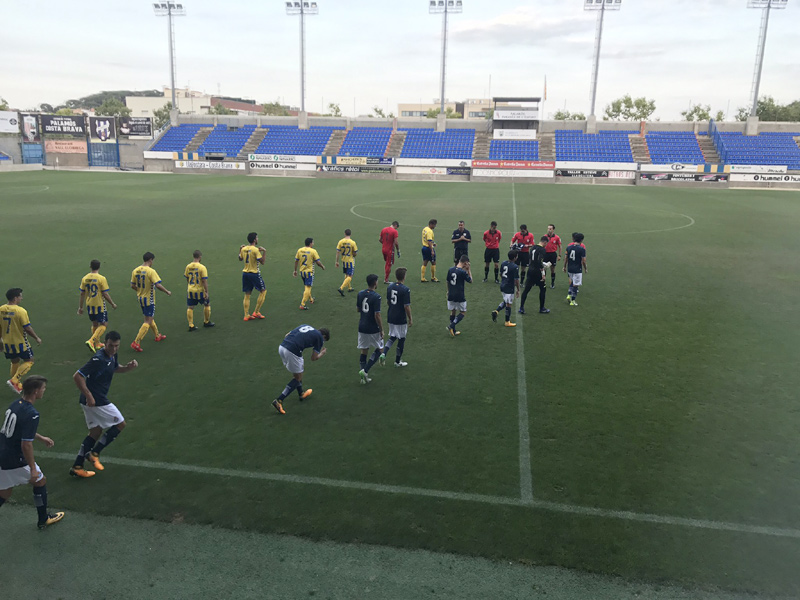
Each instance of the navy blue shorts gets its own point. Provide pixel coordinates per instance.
(24, 356)
(195, 298)
(348, 270)
(308, 278)
(149, 310)
(428, 254)
(252, 281)
(101, 317)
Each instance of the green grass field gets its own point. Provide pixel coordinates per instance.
(661, 413)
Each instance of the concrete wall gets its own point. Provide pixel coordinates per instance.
(130, 153)
(9, 144)
(53, 159)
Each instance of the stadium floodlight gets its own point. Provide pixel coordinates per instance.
(601, 6)
(444, 7)
(169, 10)
(302, 8)
(765, 6)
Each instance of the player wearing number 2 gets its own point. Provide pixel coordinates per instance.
(94, 291)
(291, 352)
(509, 286)
(197, 290)
(305, 260)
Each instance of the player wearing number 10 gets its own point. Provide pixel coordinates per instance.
(347, 250)
(145, 280)
(94, 291)
(197, 291)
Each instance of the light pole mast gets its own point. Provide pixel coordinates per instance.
(444, 7)
(601, 6)
(766, 6)
(169, 10)
(302, 8)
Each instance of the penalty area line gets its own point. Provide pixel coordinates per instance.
(556, 507)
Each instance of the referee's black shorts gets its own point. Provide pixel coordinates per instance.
(491, 255)
(524, 259)
(551, 257)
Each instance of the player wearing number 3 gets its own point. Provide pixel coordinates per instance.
(94, 291)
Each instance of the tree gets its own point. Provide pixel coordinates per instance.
(112, 107)
(161, 115)
(698, 112)
(630, 109)
(274, 109)
(769, 110)
(218, 109)
(3, 104)
(335, 109)
(65, 112)
(449, 113)
(45, 108)
(489, 115)
(378, 112)
(565, 115)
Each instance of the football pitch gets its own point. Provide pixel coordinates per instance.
(650, 432)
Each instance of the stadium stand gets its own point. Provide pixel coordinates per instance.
(426, 143)
(366, 141)
(514, 150)
(177, 138)
(768, 148)
(605, 146)
(230, 142)
(289, 139)
(674, 147)
(4, 157)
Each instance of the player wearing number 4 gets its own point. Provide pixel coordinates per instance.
(456, 300)
(145, 280)
(370, 327)
(347, 250)
(253, 257)
(399, 316)
(94, 291)
(509, 286)
(291, 352)
(574, 266)
(14, 334)
(94, 380)
(17, 464)
(197, 293)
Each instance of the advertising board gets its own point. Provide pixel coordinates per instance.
(514, 134)
(518, 173)
(102, 130)
(300, 158)
(596, 166)
(353, 169)
(765, 178)
(513, 164)
(354, 160)
(9, 121)
(63, 125)
(203, 164)
(433, 162)
(136, 127)
(280, 166)
(519, 114)
(713, 178)
(622, 174)
(581, 173)
(758, 169)
(30, 128)
(670, 168)
(65, 146)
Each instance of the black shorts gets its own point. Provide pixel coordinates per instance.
(491, 254)
(551, 257)
(459, 252)
(524, 259)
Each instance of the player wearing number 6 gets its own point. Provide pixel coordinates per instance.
(291, 353)
(347, 250)
(370, 327)
(145, 280)
(94, 291)
(197, 292)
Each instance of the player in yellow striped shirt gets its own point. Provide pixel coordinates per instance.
(305, 259)
(197, 291)
(14, 335)
(94, 292)
(347, 250)
(145, 280)
(253, 257)
(429, 251)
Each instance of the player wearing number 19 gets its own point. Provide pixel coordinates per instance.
(253, 257)
(456, 300)
(291, 353)
(17, 464)
(145, 280)
(94, 291)
(347, 250)
(197, 292)
(14, 334)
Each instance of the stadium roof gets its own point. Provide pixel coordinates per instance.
(515, 99)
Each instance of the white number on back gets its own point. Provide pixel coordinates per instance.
(453, 278)
(505, 272)
(9, 424)
(365, 305)
(572, 254)
(306, 329)
(393, 297)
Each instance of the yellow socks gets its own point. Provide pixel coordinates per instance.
(206, 314)
(22, 371)
(306, 295)
(246, 305)
(190, 317)
(154, 327)
(142, 332)
(346, 283)
(14, 367)
(98, 334)
(433, 271)
(423, 272)
(260, 301)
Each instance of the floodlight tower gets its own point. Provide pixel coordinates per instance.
(766, 6)
(444, 8)
(169, 10)
(601, 6)
(302, 8)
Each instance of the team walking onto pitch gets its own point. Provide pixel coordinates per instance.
(526, 265)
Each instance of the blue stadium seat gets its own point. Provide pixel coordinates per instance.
(177, 138)
(427, 143)
(514, 150)
(767, 148)
(674, 146)
(289, 139)
(366, 141)
(605, 146)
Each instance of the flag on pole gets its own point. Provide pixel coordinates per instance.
(545, 87)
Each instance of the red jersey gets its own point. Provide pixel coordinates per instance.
(553, 242)
(527, 240)
(492, 240)
(388, 237)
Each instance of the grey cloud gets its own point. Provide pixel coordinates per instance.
(524, 32)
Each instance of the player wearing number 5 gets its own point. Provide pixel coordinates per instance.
(347, 250)
(94, 291)
(145, 280)
(15, 327)
(399, 316)
(253, 257)
(305, 259)
(197, 292)
(291, 353)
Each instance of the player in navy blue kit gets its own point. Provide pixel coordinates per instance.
(17, 465)
(399, 315)
(461, 239)
(456, 299)
(574, 266)
(536, 275)
(93, 380)
(370, 327)
(291, 352)
(509, 286)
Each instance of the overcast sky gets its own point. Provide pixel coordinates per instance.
(362, 53)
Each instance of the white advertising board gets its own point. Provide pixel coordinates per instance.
(622, 174)
(596, 166)
(765, 178)
(758, 169)
(517, 173)
(203, 164)
(273, 158)
(9, 121)
(280, 166)
(422, 170)
(670, 168)
(157, 155)
(433, 162)
(515, 134)
(520, 114)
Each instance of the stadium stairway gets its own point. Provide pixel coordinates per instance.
(198, 139)
(708, 149)
(395, 146)
(547, 146)
(481, 146)
(335, 142)
(797, 141)
(251, 144)
(639, 149)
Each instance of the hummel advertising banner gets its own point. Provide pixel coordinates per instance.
(9, 121)
(102, 130)
(136, 127)
(63, 125)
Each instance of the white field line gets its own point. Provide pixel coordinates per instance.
(525, 480)
(445, 495)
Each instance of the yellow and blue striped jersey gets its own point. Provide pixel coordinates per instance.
(195, 274)
(250, 255)
(145, 280)
(427, 236)
(92, 286)
(348, 249)
(307, 256)
(14, 320)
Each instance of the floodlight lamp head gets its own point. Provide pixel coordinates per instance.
(441, 6)
(602, 4)
(774, 4)
(163, 9)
